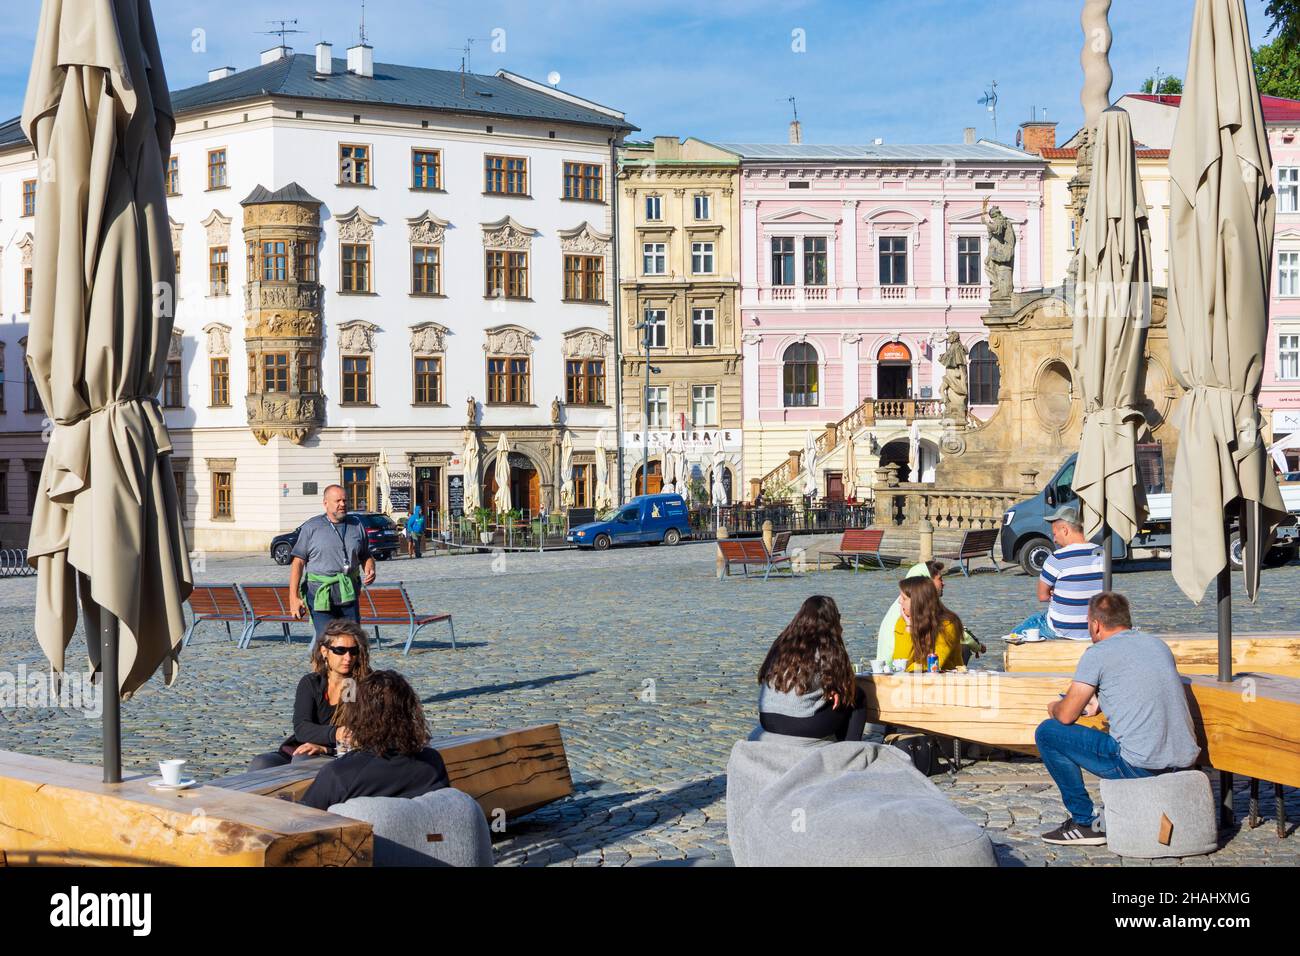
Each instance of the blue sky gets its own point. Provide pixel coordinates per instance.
(909, 71)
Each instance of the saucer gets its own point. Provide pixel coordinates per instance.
(183, 785)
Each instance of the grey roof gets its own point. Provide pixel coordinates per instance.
(983, 151)
(414, 86)
(290, 193)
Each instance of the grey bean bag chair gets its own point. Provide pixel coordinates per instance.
(1136, 810)
(797, 802)
(442, 828)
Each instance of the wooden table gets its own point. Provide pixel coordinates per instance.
(1195, 653)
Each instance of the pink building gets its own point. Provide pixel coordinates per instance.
(856, 262)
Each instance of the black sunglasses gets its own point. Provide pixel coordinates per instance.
(340, 651)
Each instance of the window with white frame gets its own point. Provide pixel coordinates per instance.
(968, 260)
(702, 324)
(702, 258)
(657, 332)
(814, 260)
(1288, 273)
(1288, 357)
(782, 260)
(1288, 189)
(654, 208)
(654, 258)
(704, 406)
(703, 208)
(657, 405)
(893, 260)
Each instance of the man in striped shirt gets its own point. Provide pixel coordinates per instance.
(1071, 576)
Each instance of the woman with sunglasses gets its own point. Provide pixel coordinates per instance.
(341, 659)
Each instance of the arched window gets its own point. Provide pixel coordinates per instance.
(800, 368)
(985, 378)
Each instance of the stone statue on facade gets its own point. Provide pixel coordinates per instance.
(555, 410)
(954, 390)
(999, 264)
(471, 410)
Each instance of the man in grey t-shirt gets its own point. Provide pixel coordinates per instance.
(1130, 677)
(331, 562)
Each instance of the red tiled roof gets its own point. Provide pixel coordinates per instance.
(1276, 109)
(1061, 152)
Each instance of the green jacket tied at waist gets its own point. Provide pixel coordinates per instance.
(325, 583)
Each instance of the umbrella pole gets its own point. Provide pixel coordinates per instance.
(1223, 587)
(1106, 544)
(112, 717)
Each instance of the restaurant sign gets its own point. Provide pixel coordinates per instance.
(696, 441)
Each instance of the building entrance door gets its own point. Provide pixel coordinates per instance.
(428, 495)
(895, 380)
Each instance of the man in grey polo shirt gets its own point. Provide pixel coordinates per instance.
(1130, 677)
(331, 561)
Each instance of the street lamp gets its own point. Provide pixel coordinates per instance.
(647, 331)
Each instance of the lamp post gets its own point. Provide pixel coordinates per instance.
(647, 330)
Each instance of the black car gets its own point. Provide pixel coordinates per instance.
(380, 530)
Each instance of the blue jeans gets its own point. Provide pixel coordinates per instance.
(1039, 621)
(320, 619)
(1067, 749)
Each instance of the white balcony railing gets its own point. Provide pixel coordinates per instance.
(895, 293)
(970, 293)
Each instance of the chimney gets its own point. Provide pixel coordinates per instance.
(968, 136)
(324, 58)
(361, 59)
(220, 73)
(1036, 136)
(275, 53)
(796, 133)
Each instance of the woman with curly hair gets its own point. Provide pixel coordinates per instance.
(390, 756)
(807, 686)
(339, 660)
(926, 627)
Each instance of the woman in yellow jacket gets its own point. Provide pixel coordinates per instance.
(926, 627)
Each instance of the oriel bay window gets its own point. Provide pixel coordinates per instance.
(275, 261)
(275, 372)
(354, 276)
(584, 382)
(219, 376)
(356, 380)
(428, 380)
(506, 274)
(426, 270)
(583, 181)
(308, 371)
(506, 175)
(307, 261)
(507, 380)
(584, 278)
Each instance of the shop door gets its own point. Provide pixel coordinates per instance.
(428, 495)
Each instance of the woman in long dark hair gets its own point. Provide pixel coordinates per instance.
(806, 684)
(926, 627)
(390, 756)
(339, 660)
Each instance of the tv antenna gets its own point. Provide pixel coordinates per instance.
(362, 38)
(794, 107)
(282, 30)
(990, 101)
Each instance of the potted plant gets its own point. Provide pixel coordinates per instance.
(483, 518)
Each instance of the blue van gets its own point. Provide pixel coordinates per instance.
(646, 518)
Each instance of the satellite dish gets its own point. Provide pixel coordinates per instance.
(553, 78)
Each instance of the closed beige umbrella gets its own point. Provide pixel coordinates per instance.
(851, 469)
(107, 522)
(473, 487)
(502, 473)
(603, 498)
(1221, 251)
(566, 471)
(1112, 314)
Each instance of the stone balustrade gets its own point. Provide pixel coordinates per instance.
(907, 505)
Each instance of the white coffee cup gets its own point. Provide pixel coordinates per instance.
(1031, 634)
(171, 771)
(900, 665)
(880, 667)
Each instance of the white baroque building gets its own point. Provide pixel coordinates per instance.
(378, 263)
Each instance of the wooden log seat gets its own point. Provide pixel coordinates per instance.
(1195, 653)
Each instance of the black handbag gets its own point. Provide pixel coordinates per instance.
(921, 749)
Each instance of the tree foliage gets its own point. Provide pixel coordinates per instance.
(1169, 86)
(1277, 70)
(1285, 15)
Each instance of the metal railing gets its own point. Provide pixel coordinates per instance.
(527, 532)
(828, 517)
(13, 563)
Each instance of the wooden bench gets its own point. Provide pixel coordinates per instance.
(514, 771)
(859, 543)
(391, 604)
(57, 813)
(1193, 653)
(267, 603)
(751, 552)
(217, 602)
(975, 544)
(1248, 726)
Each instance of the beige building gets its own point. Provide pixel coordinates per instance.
(680, 262)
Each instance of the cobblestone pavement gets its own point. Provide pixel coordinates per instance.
(645, 660)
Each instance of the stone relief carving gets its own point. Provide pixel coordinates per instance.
(584, 240)
(217, 228)
(176, 347)
(507, 234)
(218, 339)
(176, 228)
(357, 336)
(25, 244)
(279, 326)
(428, 338)
(586, 343)
(509, 340)
(427, 229)
(305, 297)
(357, 225)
